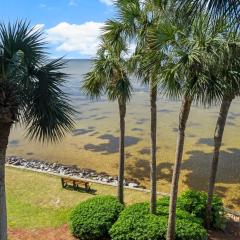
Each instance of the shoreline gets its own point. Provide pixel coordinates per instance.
(61, 170)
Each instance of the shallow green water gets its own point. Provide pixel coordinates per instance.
(94, 142)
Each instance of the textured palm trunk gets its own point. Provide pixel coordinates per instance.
(153, 167)
(4, 134)
(183, 117)
(218, 135)
(122, 113)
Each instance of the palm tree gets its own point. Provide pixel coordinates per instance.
(215, 8)
(187, 73)
(134, 19)
(228, 71)
(30, 92)
(109, 76)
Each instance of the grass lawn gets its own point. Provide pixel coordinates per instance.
(37, 200)
(38, 207)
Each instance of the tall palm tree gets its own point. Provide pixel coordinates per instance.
(229, 72)
(187, 72)
(134, 19)
(109, 76)
(30, 92)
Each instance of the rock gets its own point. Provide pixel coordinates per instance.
(110, 179)
(105, 180)
(17, 163)
(133, 185)
(68, 170)
(115, 182)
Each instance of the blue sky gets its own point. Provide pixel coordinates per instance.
(72, 27)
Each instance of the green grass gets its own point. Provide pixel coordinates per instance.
(36, 200)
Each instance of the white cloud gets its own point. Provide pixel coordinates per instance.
(39, 26)
(108, 2)
(72, 3)
(131, 48)
(42, 5)
(83, 38)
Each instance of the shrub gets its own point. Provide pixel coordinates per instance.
(163, 209)
(92, 219)
(135, 223)
(187, 230)
(195, 203)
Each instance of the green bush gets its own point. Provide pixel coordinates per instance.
(135, 223)
(92, 219)
(163, 210)
(187, 230)
(195, 203)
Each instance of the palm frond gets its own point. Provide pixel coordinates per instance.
(47, 110)
(32, 85)
(215, 8)
(21, 37)
(109, 74)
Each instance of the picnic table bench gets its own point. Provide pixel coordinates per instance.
(75, 183)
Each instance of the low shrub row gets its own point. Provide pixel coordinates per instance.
(105, 218)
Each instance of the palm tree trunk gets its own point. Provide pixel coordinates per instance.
(219, 130)
(122, 113)
(4, 134)
(183, 117)
(153, 164)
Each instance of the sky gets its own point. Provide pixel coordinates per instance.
(71, 27)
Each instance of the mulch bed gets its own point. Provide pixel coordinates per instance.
(62, 233)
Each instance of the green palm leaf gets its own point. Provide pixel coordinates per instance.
(31, 85)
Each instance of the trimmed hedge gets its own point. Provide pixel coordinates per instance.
(135, 223)
(103, 217)
(92, 219)
(195, 202)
